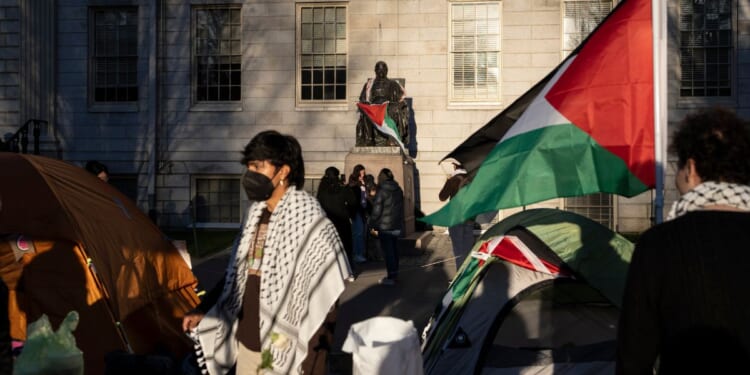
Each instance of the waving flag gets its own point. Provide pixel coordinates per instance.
(378, 114)
(587, 127)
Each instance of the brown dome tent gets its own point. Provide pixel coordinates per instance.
(69, 241)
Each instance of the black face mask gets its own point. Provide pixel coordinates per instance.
(258, 186)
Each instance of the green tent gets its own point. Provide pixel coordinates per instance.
(540, 293)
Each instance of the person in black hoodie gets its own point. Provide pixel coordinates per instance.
(386, 219)
(338, 202)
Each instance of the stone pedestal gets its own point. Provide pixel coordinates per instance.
(376, 158)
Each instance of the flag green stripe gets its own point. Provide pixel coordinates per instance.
(554, 161)
(391, 124)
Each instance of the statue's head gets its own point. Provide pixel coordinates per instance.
(381, 69)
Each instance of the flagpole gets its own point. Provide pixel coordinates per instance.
(659, 27)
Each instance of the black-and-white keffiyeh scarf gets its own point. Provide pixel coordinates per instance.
(302, 275)
(709, 194)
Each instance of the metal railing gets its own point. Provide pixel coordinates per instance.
(19, 142)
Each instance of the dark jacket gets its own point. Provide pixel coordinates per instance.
(388, 207)
(339, 202)
(359, 208)
(685, 298)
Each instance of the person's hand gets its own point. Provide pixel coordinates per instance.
(191, 320)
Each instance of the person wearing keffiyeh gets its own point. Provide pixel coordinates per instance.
(275, 311)
(685, 308)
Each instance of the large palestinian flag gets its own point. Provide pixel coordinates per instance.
(587, 127)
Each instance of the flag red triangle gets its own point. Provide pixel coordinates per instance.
(376, 112)
(610, 82)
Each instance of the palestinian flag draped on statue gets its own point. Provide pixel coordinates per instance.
(378, 114)
(587, 127)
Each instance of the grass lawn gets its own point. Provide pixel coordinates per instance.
(204, 242)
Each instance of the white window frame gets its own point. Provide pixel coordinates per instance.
(453, 97)
(304, 48)
(234, 53)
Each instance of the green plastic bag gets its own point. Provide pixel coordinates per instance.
(48, 352)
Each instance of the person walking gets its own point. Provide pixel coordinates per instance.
(386, 219)
(685, 308)
(339, 203)
(462, 234)
(276, 306)
(359, 218)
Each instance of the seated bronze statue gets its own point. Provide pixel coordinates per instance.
(379, 90)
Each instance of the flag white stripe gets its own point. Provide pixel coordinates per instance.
(540, 114)
(530, 256)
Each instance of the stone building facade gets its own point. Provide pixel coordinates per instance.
(167, 92)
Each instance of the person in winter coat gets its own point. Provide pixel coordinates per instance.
(386, 219)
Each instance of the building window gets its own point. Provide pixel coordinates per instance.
(597, 207)
(217, 54)
(475, 52)
(216, 200)
(322, 52)
(580, 18)
(705, 47)
(114, 54)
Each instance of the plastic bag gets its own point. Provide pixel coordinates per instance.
(384, 345)
(50, 352)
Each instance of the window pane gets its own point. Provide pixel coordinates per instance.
(114, 57)
(597, 207)
(705, 47)
(217, 200)
(580, 19)
(218, 54)
(322, 52)
(475, 47)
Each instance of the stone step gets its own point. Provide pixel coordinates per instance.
(415, 243)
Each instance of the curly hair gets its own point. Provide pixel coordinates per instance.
(279, 149)
(719, 143)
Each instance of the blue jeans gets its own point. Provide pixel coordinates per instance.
(389, 246)
(358, 237)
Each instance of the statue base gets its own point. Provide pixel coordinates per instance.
(374, 159)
